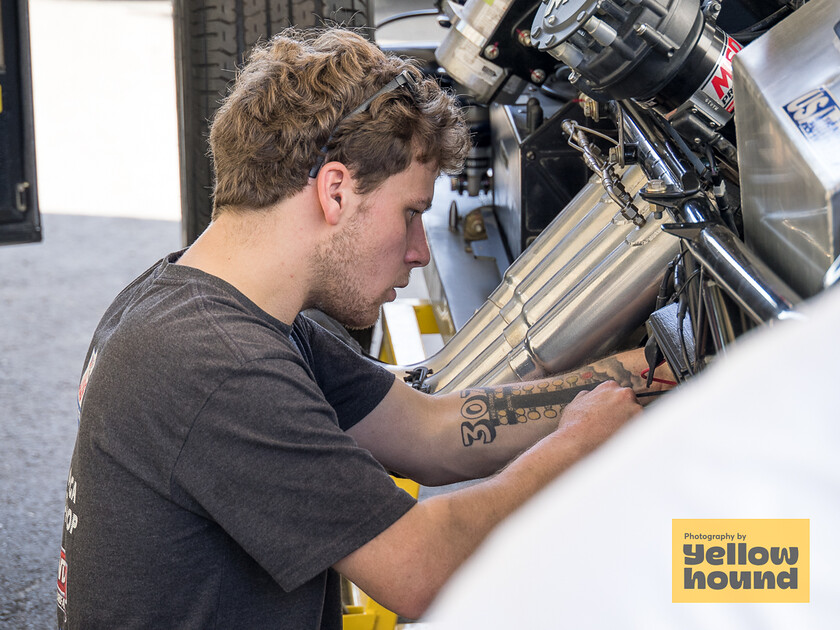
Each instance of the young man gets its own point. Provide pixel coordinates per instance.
(231, 456)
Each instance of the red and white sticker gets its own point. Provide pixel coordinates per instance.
(85, 378)
(61, 594)
(715, 98)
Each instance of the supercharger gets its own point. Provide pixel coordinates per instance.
(711, 201)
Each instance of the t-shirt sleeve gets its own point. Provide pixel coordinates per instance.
(352, 384)
(280, 477)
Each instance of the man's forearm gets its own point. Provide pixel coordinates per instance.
(496, 423)
(404, 567)
(422, 550)
(484, 410)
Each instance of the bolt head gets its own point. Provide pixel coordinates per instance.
(656, 186)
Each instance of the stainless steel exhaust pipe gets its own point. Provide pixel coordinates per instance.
(584, 216)
(598, 314)
(587, 311)
(588, 243)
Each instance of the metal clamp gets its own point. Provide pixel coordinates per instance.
(417, 378)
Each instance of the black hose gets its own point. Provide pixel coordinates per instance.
(762, 26)
(407, 14)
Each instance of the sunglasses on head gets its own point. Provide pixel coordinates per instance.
(403, 78)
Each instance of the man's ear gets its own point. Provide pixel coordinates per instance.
(334, 185)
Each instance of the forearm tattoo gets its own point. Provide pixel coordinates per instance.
(486, 409)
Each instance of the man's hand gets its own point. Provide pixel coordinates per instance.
(595, 415)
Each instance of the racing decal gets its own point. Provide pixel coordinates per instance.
(716, 96)
(71, 522)
(85, 378)
(816, 115)
(61, 593)
(720, 82)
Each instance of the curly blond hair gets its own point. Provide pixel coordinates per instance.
(295, 92)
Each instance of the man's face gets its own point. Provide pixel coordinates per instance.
(360, 267)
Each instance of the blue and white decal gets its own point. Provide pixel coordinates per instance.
(816, 114)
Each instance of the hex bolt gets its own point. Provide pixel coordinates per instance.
(590, 108)
(492, 51)
(524, 37)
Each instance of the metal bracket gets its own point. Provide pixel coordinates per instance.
(687, 231)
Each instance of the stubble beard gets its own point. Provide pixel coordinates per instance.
(341, 291)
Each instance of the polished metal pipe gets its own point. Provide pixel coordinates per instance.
(581, 221)
(486, 322)
(596, 315)
(574, 267)
(588, 243)
(743, 275)
(720, 322)
(595, 230)
(654, 151)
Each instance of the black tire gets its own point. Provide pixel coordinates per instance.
(212, 38)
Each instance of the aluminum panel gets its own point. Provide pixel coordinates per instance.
(787, 92)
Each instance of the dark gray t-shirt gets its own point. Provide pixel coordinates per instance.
(212, 483)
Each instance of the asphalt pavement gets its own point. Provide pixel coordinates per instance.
(51, 297)
(106, 141)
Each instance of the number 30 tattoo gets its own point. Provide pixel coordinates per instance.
(484, 410)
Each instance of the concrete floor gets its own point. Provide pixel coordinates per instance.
(51, 297)
(106, 139)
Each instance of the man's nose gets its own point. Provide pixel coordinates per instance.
(417, 253)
